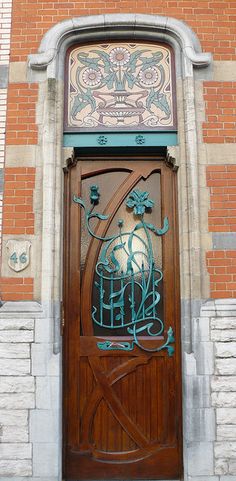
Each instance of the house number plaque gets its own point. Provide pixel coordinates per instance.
(19, 254)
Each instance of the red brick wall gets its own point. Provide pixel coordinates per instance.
(16, 288)
(215, 25)
(18, 216)
(220, 103)
(214, 22)
(221, 266)
(21, 125)
(221, 179)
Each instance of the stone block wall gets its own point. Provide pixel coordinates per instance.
(221, 316)
(17, 396)
(29, 395)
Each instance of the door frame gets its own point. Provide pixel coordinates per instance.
(46, 68)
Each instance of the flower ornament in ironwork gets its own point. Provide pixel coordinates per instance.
(140, 139)
(129, 290)
(102, 140)
(139, 202)
(94, 194)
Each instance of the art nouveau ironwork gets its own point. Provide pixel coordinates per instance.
(128, 290)
(119, 87)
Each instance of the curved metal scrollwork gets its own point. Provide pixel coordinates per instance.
(119, 283)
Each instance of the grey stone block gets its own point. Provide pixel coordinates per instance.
(17, 401)
(200, 459)
(17, 384)
(16, 336)
(225, 366)
(223, 383)
(44, 362)
(225, 449)
(14, 351)
(223, 323)
(12, 367)
(44, 426)
(9, 324)
(13, 418)
(189, 364)
(226, 416)
(3, 76)
(43, 330)
(199, 425)
(1, 179)
(203, 478)
(221, 241)
(197, 391)
(224, 399)
(228, 478)
(200, 330)
(21, 467)
(221, 466)
(48, 393)
(45, 460)
(226, 432)
(15, 451)
(232, 467)
(225, 349)
(14, 434)
(227, 335)
(205, 358)
(20, 309)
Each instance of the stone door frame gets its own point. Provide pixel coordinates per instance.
(47, 68)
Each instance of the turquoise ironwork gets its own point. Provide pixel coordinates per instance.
(122, 282)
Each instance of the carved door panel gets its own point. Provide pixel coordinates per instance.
(122, 382)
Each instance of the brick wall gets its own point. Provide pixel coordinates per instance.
(17, 288)
(21, 126)
(221, 264)
(5, 27)
(220, 104)
(214, 22)
(221, 180)
(18, 216)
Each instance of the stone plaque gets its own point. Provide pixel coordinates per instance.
(120, 87)
(19, 254)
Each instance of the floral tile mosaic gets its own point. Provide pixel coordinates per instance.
(120, 87)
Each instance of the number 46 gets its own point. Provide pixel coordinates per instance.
(22, 258)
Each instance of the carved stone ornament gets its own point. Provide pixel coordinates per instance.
(19, 254)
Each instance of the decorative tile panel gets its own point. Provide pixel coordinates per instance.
(120, 86)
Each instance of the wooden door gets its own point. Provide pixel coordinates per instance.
(122, 379)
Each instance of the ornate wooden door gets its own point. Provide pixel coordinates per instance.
(122, 381)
